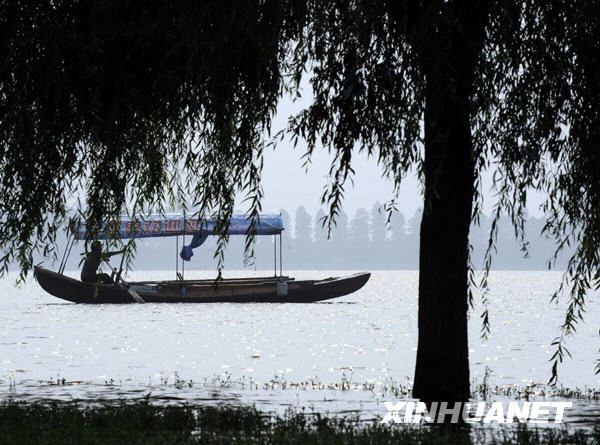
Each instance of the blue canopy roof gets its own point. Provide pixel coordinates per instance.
(173, 224)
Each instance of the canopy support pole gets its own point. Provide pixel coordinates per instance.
(274, 255)
(176, 256)
(280, 255)
(68, 247)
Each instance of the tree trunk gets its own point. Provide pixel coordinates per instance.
(442, 368)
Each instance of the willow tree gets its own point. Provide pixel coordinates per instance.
(455, 89)
(147, 104)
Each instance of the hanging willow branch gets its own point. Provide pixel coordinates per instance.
(139, 106)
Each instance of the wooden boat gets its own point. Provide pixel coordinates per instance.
(274, 289)
(237, 290)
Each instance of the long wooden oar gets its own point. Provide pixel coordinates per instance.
(133, 293)
(128, 288)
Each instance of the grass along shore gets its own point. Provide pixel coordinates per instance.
(148, 420)
(480, 390)
(142, 422)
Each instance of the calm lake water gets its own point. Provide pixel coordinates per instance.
(278, 355)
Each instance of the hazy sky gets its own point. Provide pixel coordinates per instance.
(287, 185)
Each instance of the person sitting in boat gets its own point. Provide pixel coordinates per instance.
(89, 272)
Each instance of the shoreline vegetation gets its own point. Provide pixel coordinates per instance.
(150, 420)
(389, 388)
(143, 422)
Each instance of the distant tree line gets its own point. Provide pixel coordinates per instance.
(363, 242)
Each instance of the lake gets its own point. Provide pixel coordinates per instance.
(346, 355)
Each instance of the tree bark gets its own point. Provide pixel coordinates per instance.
(448, 62)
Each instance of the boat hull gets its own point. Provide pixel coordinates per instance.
(247, 290)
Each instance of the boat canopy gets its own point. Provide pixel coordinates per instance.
(173, 224)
